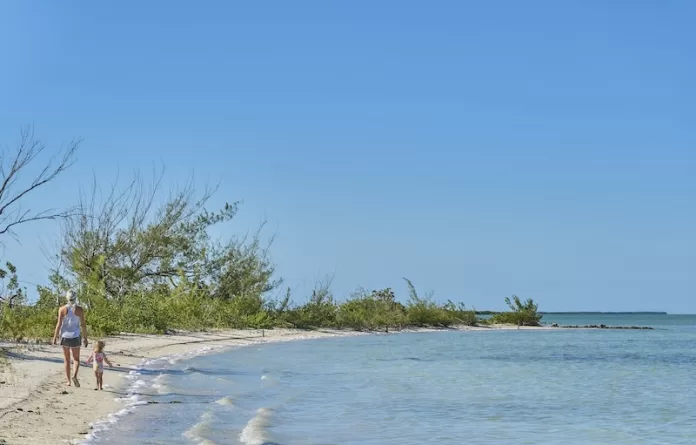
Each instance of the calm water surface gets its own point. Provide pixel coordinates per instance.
(505, 387)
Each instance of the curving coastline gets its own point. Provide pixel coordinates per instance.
(36, 408)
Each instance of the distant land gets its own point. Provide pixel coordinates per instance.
(605, 313)
(581, 313)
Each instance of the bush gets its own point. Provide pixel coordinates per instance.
(189, 305)
(423, 311)
(460, 314)
(372, 311)
(319, 312)
(25, 322)
(521, 314)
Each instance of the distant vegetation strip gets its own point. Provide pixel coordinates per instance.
(142, 261)
(604, 313)
(582, 313)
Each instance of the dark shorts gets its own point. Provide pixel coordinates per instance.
(71, 342)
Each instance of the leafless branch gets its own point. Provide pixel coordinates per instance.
(11, 170)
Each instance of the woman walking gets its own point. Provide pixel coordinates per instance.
(72, 330)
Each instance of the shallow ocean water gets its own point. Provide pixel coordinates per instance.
(502, 387)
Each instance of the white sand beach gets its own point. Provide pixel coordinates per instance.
(37, 408)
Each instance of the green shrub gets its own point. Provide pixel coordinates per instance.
(521, 314)
(189, 306)
(423, 311)
(460, 314)
(26, 322)
(372, 311)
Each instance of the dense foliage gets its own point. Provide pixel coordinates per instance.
(521, 314)
(139, 267)
(187, 306)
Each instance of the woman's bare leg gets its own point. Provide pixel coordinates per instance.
(76, 359)
(66, 359)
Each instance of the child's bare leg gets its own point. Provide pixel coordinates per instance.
(96, 376)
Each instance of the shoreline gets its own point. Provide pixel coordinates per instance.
(37, 408)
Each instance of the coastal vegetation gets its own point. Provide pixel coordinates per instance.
(521, 313)
(145, 264)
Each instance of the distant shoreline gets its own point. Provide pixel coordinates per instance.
(581, 313)
(604, 313)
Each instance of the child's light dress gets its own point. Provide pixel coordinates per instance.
(97, 360)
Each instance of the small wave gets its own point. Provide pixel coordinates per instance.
(269, 381)
(255, 432)
(197, 432)
(398, 359)
(225, 401)
(209, 372)
(131, 402)
(133, 393)
(159, 384)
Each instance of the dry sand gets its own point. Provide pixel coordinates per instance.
(37, 408)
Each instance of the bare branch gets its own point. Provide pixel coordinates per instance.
(11, 194)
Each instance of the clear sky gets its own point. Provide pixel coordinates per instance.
(481, 149)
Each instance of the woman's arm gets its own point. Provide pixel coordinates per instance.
(83, 327)
(58, 324)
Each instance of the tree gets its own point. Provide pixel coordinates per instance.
(13, 190)
(128, 243)
(241, 268)
(516, 304)
(11, 293)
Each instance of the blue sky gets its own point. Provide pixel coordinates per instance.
(481, 149)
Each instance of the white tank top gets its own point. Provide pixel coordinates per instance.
(71, 324)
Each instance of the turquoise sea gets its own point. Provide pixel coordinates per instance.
(448, 388)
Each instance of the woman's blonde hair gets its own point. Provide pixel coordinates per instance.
(99, 346)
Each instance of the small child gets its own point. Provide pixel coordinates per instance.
(98, 358)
